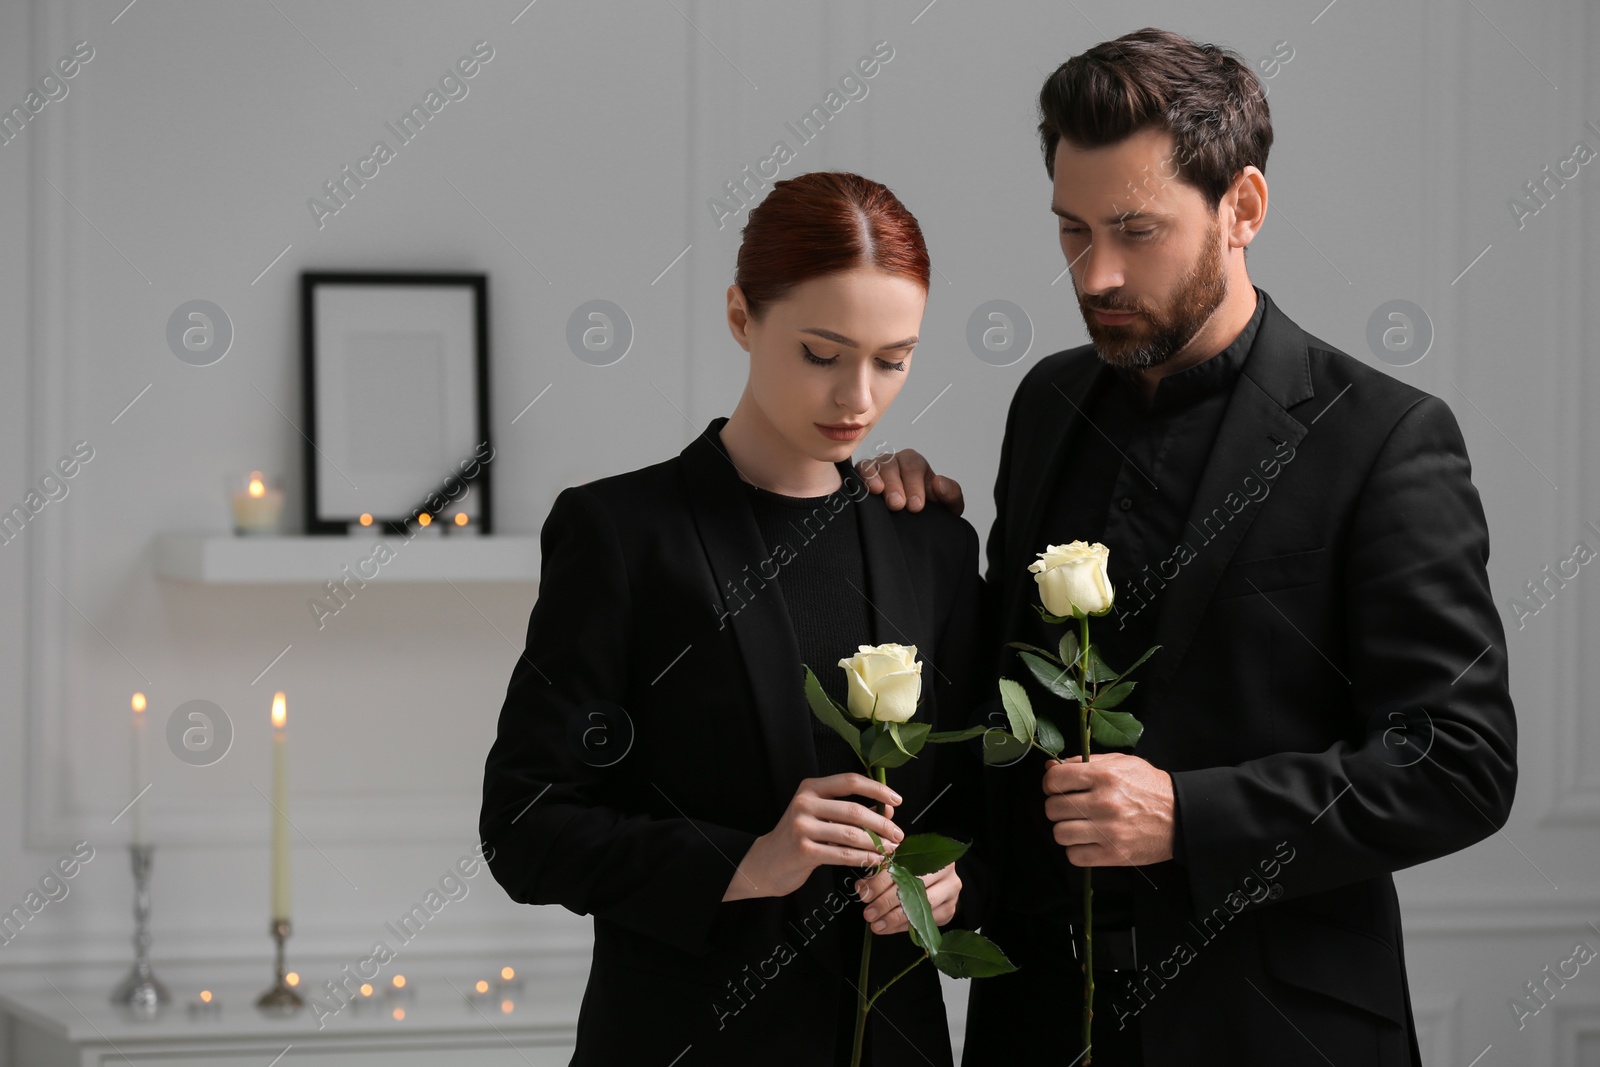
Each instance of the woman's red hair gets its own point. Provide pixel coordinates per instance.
(825, 222)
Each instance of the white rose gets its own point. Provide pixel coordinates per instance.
(1072, 579)
(887, 674)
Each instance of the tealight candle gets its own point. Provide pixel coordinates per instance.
(366, 997)
(257, 506)
(509, 982)
(459, 524)
(205, 1004)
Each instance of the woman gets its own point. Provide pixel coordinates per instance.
(657, 765)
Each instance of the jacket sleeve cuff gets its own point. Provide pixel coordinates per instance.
(685, 916)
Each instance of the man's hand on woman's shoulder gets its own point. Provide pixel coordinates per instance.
(905, 480)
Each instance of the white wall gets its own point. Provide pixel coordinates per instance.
(579, 166)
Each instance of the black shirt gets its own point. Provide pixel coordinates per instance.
(830, 618)
(823, 561)
(1133, 468)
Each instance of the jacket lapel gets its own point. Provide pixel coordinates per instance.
(760, 622)
(1276, 375)
(891, 597)
(1071, 388)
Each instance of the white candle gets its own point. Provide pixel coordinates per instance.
(280, 815)
(140, 835)
(257, 507)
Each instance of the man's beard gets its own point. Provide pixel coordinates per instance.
(1152, 338)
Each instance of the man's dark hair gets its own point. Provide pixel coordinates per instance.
(1206, 97)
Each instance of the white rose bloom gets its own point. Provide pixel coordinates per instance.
(889, 673)
(1073, 580)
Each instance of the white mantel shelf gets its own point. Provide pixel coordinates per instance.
(73, 1026)
(223, 559)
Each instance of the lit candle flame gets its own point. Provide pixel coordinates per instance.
(292, 978)
(138, 703)
(366, 519)
(424, 519)
(507, 973)
(279, 714)
(205, 996)
(461, 518)
(399, 981)
(366, 989)
(483, 987)
(257, 487)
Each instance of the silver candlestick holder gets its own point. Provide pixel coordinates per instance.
(141, 990)
(280, 998)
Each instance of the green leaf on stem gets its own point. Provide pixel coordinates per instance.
(894, 732)
(1000, 749)
(1069, 647)
(926, 853)
(1054, 620)
(1152, 650)
(1113, 696)
(1019, 709)
(913, 735)
(878, 748)
(888, 744)
(1035, 649)
(1050, 737)
(1054, 678)
(939, 737)
(1099, 670)
(914, 901)
(964, 954)
(1116, 729)
(823, 707)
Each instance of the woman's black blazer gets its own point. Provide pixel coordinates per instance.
(656, 725)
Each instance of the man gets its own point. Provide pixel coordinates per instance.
(1300, 535)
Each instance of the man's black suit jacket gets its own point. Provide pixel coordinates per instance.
(656, 725)
(1330, 699)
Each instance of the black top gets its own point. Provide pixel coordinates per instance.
(823, 583)
(822, 575)
(1134, 471)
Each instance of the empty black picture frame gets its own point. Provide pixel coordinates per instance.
(320, 520)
